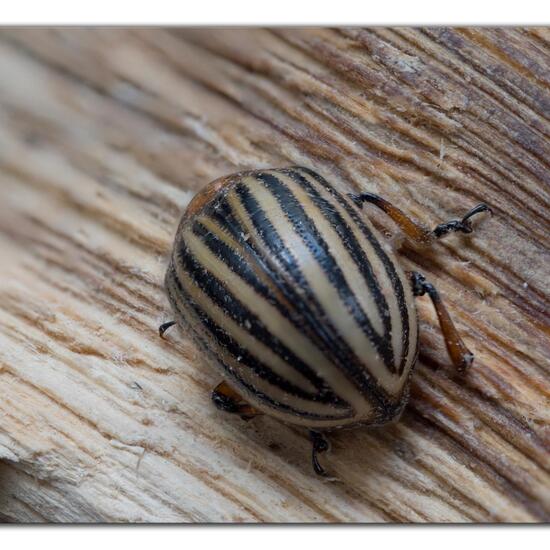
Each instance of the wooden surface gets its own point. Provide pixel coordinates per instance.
(105, 135)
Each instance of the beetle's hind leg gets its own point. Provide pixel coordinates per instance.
(415, 230)
(461, 356)
(228, 400)
(320, 445)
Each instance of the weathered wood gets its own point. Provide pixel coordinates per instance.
(105, 135)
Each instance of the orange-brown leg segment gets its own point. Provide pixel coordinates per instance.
(415, 230)
(461, 356)
(228, 400)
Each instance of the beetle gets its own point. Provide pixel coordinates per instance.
(287, 288)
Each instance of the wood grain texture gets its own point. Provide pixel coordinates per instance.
(106, 134)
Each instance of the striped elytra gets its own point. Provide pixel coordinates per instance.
(288, 289)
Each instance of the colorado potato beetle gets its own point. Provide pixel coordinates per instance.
(285, 285)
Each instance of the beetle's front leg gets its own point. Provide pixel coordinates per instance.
(463, 225)
(228, 400)
(461, 356)
(415, 230)
(164, 327)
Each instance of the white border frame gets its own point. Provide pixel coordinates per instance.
(279, 12)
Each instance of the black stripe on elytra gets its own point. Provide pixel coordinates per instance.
(241, 267)
(348, 240)
(223, 340)
(332, 344)
(306, 229)
(306, 314)
(223, 215)
(388, 264)
(234, 309)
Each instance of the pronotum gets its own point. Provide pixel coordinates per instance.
(285, 285)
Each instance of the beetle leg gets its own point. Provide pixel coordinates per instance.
(228, 400)
(461, 356)
(164, 327)
(413, 229)
(464, 225)
(320, 445)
